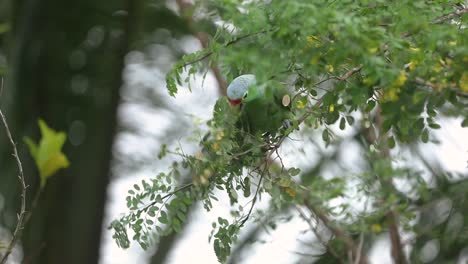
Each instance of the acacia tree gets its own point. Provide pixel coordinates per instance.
(373, 68)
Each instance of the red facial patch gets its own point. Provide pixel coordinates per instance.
(235, 102)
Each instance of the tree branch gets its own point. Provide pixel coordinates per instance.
(317, 234)
(22, 214)
(398, 254)
(457, 13)
(354, 249)
(421, 82)
(209, 53)
(203, 37)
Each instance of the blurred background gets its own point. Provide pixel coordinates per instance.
(96, 70)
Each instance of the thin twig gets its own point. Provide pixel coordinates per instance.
(22, 214)
(343, 77)
(341, 234)
(254, 200)
(457, 13)
(421, 82)
(209, 53)
(318, 235)
(350, 73)
(168, 195)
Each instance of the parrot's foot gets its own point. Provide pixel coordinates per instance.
(287, 124)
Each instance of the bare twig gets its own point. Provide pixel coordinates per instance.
(254, 200)
(352, 248)
(441, 19)
(457, 13)
(421, 82)
(343, 77)
(318, 235)
(209, 53)
(22, 214)
(350, 73)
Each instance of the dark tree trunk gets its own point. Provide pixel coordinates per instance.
(67, 59)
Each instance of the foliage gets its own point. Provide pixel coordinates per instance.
(387, 70)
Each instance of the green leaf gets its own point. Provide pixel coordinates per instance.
(247, 187)
(152, 212)
(350, 120)
(162, 153)
(176, 225)
(181, 216)
(48, 154)
(163, 218)
(465, 123)
(434, 126)
(326, 135)
(370, 105)
(294, 171)
(391, 142)
(387, 124)
(425, 136)
(342, 123)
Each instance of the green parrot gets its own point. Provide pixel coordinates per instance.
(263, 109)
(249, 109)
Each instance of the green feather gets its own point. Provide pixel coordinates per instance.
(263, 110)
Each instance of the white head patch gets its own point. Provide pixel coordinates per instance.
(240, 85)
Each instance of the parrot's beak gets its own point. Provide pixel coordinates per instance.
(235, 102)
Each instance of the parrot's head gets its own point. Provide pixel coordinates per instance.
(237, 89)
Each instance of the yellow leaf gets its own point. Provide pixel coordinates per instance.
(376, 228)
(48, 153)
(53, 164)
(311, 39)
(314, 60)
(219, 135)
(300, 105)
(392, 94)
(290, 191)
(215, 146)
(373, 50)
(284, 182)
(412, 65)
(464, 82)
(199, 155)
(400, 80)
